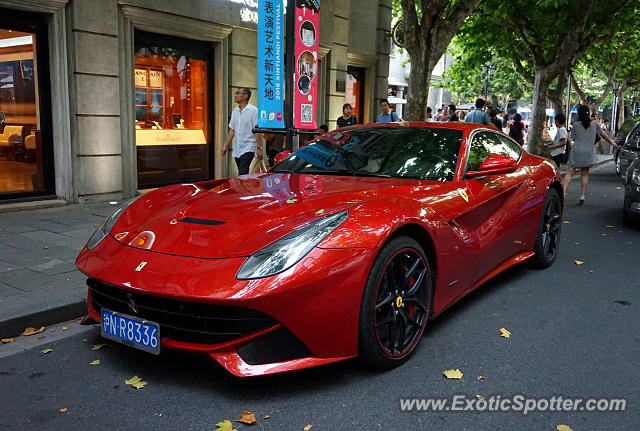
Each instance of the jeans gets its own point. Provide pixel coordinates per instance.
(244, 163)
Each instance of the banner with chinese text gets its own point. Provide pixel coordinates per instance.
(270, 64)
(306, 63)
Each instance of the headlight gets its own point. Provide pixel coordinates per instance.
(108, 223)
(290, 249)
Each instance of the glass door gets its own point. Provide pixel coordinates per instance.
(172, 94)
(26, 167)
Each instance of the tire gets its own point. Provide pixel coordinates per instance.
(396, 304)
(549, 229)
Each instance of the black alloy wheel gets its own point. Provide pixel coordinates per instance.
(549, 228)
(396, 304)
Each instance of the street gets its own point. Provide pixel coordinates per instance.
(575, 332)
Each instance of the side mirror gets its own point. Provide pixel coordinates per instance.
(281, 156)
(493, 165)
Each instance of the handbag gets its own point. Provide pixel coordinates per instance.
(567, 149)
(258, 166)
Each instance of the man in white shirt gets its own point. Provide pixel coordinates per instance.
(560, 141)
(243, 119)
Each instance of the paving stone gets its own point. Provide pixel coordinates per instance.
(52, 267)
(6, 290)
(24, 279)
(83, 234)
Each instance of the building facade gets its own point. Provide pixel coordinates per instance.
(103, 98)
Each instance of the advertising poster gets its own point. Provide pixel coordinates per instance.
(270, 64)
(306, 63)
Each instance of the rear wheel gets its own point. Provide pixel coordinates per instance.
(395, 304)
(549, 227)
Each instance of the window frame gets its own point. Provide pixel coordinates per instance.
(499, 136)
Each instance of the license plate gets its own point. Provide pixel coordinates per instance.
(131, 331)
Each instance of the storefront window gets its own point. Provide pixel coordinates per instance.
(355, 91)
(22, 167)
(172, 110)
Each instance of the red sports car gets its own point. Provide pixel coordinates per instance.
(345, 248)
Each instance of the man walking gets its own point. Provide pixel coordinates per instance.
(386, 116)
(243, 119)
(478, 115)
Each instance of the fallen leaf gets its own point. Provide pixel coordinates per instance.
(97, 346)
(96, 362)
(319, 212)
(9, 269)
(609, 226)
(292, 201)
(225, 426)
(267, 416)
(591, 271)
(480, 378)
(45, 351)
(84, 340)
(139, 385)
(52, 330)
(578, 262)
(564, 428)
(453, 374)
(576, 243)
(496, 314)
(629, 242)
(620, 253)
(64, 410)
(566, 222)
(45, 247)
(7, 340)
(64, 328)
(308, 427)
(32, 331)
(618, 188)
(604, 234)
(480, 397)
(504, 333)
(132, 380)
(247, 418)
(41, 337)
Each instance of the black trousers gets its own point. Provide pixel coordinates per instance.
(244, 162)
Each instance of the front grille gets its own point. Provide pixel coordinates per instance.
(191, 322)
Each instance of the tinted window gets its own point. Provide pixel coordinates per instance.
(397, 152)
(486, 143)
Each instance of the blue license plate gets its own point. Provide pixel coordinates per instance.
(131, 331)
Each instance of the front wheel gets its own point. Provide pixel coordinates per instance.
(548, 235)
(395, 304)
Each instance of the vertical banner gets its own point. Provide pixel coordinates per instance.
(270, 64)
(306, 63)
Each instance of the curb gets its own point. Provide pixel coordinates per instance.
(14, 326)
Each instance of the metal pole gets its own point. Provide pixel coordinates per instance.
(614, 112)
(289, 70)
(567, 110)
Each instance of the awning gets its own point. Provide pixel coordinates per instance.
(393, 100)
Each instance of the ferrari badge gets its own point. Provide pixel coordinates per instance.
(139, 268)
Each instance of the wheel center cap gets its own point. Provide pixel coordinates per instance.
(399, 301)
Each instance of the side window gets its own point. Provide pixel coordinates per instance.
(633, 139)
(486, 143)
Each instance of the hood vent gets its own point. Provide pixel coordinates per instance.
(201, 221)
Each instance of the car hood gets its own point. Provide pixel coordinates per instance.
(238, 216)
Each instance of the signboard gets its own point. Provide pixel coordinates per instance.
(141, 77)
(306, 63)
(155, 78)
(270, 64)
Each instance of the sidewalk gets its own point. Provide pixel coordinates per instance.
(39, 283)
(601, 160)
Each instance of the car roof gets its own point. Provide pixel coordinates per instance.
(455, 125)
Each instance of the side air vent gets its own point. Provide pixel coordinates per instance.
(201, 221)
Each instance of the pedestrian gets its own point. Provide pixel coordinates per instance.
(438, 116)
(346, 119)
(429, 116)
(583, 152)
(516, 129)
(502, 119)
(461, 115)
(559, 143)
(478, 115)
(601, 147)
(493, 115)
(452, 113)
(386, 116)
(243, 119)
(323, 129)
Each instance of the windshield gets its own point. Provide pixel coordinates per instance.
(396, 152)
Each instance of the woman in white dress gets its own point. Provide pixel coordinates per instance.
(583, 150)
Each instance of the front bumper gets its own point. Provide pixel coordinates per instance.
(316, 302)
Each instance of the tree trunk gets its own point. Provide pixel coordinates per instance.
(419, 80)
(557, 95)
(621, 116)
(540, 87)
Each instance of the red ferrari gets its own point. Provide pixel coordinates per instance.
(345, 248)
